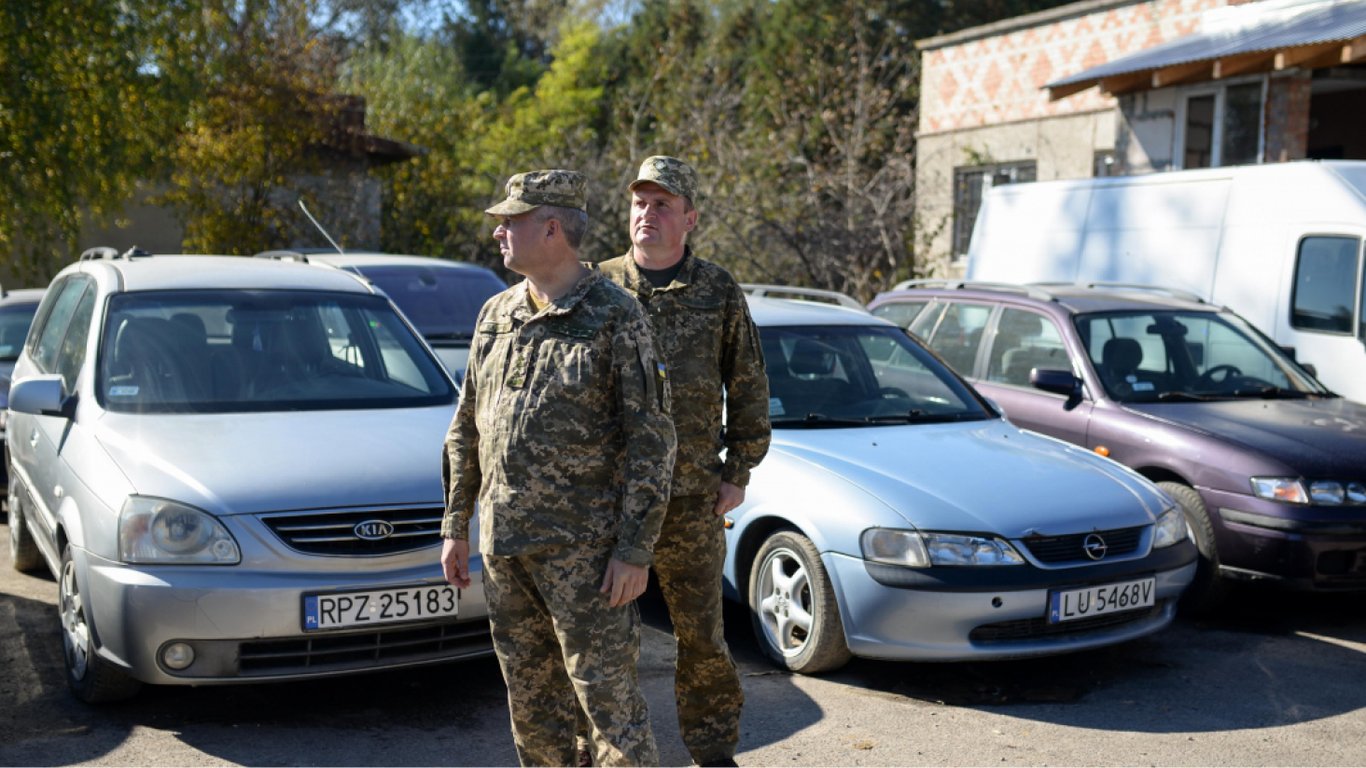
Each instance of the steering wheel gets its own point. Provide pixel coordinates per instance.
(889, 392)
(1230, 372)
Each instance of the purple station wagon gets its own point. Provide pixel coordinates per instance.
(1268, 464)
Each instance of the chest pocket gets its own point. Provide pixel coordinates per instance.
(568, 362)
(691, 333)
(495, 342)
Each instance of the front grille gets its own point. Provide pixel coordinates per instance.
(1034, 629)
(1072, 547)
(334, 532)
(384, 647)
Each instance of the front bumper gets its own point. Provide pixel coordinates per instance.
(924, 619)
(1300, 547)
(246, 625)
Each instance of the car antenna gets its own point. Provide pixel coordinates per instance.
(304, 208)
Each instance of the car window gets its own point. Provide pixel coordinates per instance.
(957, 334)
(1024, 341)
(239, 350)
(15, 320)
(1327, 276)
(56, 318)
(71, 355)
(1144, 356)
(864, 374)
(441, 302)
(900, 312)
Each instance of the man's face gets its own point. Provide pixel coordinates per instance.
(519, 240)
(660, 218)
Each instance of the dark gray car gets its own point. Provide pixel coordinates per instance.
(17, 308)
(1269, 465)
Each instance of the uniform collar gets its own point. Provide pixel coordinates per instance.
(681, 280)
(562, 306)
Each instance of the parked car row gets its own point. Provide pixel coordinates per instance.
(231, 467)
(1268, 465)
(16, 315)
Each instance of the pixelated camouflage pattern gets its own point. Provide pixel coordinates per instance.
(563, 433)
(708, 340)
(670, 173)
(563, 648)
(526, 191)
(689, 557)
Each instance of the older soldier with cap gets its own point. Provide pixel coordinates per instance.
(708, 340)
(563, 438)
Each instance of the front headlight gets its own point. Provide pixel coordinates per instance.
(921, 549)
(1169, 529)
(1293, 491)
(157, 531)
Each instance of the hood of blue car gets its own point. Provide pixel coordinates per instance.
(1319, 438)
(984, 477)
(249, 463)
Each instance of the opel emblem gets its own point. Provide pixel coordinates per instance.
(378, 530)
(1095, 547)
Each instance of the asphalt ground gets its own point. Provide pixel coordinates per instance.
(1276, 679)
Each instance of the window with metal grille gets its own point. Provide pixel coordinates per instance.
(970, 184)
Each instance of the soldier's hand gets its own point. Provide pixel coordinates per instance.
(728, 497)
(455, 561)
(624, 582)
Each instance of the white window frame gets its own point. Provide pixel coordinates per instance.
(1219, 93)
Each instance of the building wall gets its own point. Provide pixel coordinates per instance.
(982, 97)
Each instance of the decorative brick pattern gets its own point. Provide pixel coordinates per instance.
(999, 79)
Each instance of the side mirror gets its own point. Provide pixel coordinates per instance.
(41, 396)
(1056, 381)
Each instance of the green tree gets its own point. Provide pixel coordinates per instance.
(82, 117)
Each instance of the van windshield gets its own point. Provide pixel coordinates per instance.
(257, 350)
(1186, 355)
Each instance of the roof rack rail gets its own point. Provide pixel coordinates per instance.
(1175, 293)
(1032, 290)
(796, 292)
(112, 254)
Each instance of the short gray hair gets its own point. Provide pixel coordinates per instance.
(574, 221)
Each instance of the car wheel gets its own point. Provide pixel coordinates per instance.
(23, 552)
(89, 676)
(1209, 588)
(796, 618)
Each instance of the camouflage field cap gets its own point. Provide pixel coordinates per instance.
(527, 191)
(670, 173)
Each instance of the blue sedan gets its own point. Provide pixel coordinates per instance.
(898, 515)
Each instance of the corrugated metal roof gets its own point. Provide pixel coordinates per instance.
(1239, 30)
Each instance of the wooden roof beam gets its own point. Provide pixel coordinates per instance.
(1063, 91)
(1231, 66)
(1304, 54)
(1190, 72)
(1134, 81)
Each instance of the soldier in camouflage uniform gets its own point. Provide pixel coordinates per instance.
(708, 340)
(563, 438)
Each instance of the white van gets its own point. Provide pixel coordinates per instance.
(1280, 244)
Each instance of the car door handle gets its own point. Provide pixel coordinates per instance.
(33, 439)
(58, 492)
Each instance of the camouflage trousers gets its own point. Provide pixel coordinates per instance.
(688, 559)
(562, 649)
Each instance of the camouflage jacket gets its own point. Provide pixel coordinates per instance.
(562, 434)
(706, 336)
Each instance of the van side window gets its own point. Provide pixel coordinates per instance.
(900, 312)
(55, 321)
(1327, 279)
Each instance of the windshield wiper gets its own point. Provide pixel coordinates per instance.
(449, 336)
(917, 416)
(1270, 392)
(1192, 397)
(820, 420)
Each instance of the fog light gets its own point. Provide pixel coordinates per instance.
(177, 656)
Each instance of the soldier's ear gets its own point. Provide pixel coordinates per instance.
(690, 219)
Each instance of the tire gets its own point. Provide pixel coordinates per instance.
(796, 618)
(91, 678)
(1208, 590)
(23, 551)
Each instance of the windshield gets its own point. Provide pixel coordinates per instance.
(240, 350)
(1174, 356)
(441, 302)
(14, 322)
(859, 375)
